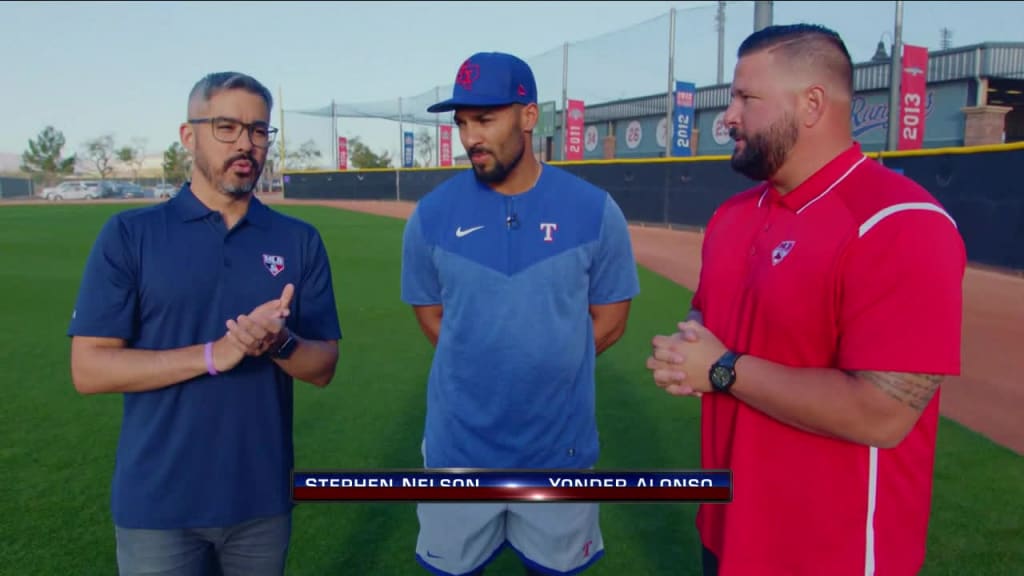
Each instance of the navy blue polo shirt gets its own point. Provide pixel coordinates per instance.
(214, 450)
(512, 379)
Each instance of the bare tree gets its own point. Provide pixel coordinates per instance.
(271, 168)
(425, 147)
(133, 156)
(100, 152)
(306, 157)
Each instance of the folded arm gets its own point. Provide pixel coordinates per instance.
(867, 407)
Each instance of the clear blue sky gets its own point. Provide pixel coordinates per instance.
(125, 68)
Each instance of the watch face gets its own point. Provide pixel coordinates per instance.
(285, 351)
(720, 376)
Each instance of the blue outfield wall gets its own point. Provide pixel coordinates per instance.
(978, 186)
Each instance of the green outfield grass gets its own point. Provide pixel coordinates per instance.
(57, 450)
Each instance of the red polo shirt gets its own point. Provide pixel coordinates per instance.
(858, 268)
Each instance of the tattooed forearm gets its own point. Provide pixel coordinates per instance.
(914, 390)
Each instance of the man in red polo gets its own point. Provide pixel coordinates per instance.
(828, 312)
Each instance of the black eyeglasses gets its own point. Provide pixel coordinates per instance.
(229, 130)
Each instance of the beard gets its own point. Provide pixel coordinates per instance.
(500, 171)
(764, 153)
(221, 179)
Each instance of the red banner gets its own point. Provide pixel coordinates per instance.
(574, 130)
(342, 153)
(913, 97)
(445, 144)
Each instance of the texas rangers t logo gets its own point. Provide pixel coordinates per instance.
(548, 228)
(273, 264)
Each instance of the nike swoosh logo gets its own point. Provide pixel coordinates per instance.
(459, 232)
(429, 554)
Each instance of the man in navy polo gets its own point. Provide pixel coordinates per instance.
(201, 311)
(520, 274)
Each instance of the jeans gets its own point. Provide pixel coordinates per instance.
(255, 548)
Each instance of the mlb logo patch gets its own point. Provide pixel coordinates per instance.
(273, 264)
(781, 251)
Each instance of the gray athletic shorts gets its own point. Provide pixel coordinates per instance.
(552, 537)
(458, 538)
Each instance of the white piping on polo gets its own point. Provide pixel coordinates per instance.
(834, 184)
(869, 531)
(895, 208)
(819, 196)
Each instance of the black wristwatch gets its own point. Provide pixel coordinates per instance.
(723, 372)
(284, 351)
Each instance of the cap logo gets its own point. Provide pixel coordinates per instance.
(522, 90)
(468, 73)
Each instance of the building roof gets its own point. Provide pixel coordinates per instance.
(1003, 60)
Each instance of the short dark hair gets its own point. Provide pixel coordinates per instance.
(213, 83)
(805, 44)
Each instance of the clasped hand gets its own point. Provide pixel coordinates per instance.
(263, 328)
(680, 363)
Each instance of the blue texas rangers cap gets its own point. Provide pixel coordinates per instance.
(490, 79)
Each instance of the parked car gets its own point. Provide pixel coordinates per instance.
(135, 191)
(109, 189)
(165, 191)
(73, 190)
(112, 189)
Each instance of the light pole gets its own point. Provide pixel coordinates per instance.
(895, 69)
